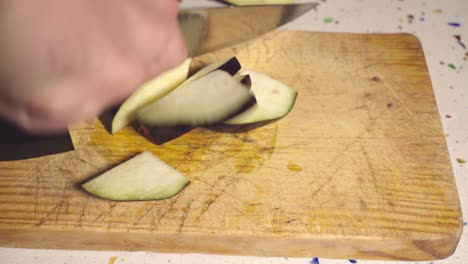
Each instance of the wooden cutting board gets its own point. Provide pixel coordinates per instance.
(359, 168)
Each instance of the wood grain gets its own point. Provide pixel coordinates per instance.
(359, 168)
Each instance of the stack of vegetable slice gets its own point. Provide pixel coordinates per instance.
(217, 94)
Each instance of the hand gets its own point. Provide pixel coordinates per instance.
(66, 61)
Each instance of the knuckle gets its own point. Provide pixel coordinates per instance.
(122, 79)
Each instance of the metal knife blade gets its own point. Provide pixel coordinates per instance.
(17, 145)
(208, 29)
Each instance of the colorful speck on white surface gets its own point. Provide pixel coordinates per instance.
(314, 261)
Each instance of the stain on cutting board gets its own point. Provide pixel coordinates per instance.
(197, 150)
(294, 167)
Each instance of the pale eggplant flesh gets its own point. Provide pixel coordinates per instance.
(274, 100)
(141, 178)
(204, 101)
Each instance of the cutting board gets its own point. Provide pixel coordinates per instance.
(358, 169)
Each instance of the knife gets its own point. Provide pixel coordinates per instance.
(17, 145)
(209, 29)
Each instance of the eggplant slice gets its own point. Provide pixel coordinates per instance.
(143, 177)
(149, 92)
(204, 101)
(274, 100)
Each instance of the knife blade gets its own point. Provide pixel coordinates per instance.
(209, 29)
(17, 145)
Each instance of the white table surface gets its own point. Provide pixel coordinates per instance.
(430, 24)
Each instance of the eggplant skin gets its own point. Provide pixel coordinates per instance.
(232, 66)
(161, 135)
(250, 103)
